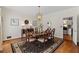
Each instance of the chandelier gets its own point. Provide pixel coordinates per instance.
(39, 15)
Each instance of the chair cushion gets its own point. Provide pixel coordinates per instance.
(41, 40)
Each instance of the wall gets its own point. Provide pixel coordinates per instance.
(0, 11)
(56, 20)
(0, 26)
(77, 28)
(8, 29)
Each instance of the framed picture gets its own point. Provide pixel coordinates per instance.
(34, 23)
(14, 21)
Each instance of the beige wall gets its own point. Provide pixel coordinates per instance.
(8, 29)
(0, 11)
(56, 20)
(78, 28)
(0, 26)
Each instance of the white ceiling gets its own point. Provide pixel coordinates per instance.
(33, 10)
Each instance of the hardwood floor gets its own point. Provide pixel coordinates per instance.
(67, 37)
(7, 45)
(66, 47)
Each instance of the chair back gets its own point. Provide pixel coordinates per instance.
(53, 32)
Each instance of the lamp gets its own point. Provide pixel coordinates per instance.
(39, 15)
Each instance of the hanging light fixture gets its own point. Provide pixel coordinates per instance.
(39, 15)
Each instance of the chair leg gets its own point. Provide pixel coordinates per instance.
(44, 43)
(21, 36)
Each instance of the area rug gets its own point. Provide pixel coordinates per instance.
(36, 46)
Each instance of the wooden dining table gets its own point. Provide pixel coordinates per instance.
(38, 35)
(30, 33)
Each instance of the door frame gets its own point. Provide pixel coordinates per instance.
(68, 18)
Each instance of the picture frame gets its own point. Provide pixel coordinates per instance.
(15, 21)
(34, 23)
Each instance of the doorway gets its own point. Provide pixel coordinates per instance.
(68, 28)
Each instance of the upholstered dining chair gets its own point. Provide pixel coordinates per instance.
(50, 34)
(53, 33)
(44, 38)
(29, 33)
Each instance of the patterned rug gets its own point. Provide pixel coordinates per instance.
(36, 46)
